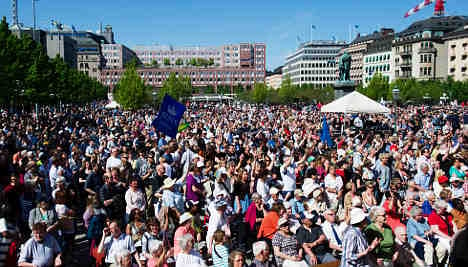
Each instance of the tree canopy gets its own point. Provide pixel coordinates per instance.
(416, 90)
(131, 91)
(176, 87)
(28, 75)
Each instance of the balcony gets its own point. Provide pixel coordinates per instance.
(403, 76)
(405, 53)
(404, 64)
(427, 50)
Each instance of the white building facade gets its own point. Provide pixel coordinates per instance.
(313, 63)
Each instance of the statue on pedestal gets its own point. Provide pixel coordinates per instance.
(345, 67)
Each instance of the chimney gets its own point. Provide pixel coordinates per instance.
(386, 31)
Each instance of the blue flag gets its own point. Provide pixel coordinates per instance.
(325, 136)
(169, 116)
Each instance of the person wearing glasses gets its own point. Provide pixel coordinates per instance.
(333, 232)
(379, 229)
(286, 246)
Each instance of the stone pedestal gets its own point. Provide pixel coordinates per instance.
(343, 88)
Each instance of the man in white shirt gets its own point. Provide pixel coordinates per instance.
(333, 232)
(113, 161)
(113, 241)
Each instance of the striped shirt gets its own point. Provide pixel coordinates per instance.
(353, 244)
(220, 256)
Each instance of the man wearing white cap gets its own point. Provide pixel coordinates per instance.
(355, 246)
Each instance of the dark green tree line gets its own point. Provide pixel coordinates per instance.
(28, 75)
(416, 90)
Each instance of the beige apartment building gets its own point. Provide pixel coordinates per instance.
(420, 51)
(274, 81)
(358, 48)
(457, 45)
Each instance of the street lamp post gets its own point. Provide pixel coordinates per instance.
(396, 96)
(426, 98)
(443, 99)
(52, 96)
(154, 98)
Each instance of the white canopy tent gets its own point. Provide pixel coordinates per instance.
(354, 102)
(112, 105)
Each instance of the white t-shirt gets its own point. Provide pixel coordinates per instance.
(189, 260)
(288, 176)
(336, 184)
(263, 190)
(113, 163)
(113, 246)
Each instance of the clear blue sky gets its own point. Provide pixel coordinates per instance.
(210, 22)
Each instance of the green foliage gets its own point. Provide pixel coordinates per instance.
(223, 89)
(287, 92)
(193, 62)
(377, 88)
(28, 75)
(176, 87)
(154, 63)
(415, 91)
(201, 62)
(179, 62)
(166, 61)
(260, 93)
(208, 90)
(131, 91)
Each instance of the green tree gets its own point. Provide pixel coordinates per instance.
(326, 94)
(27, 74)
(154, 63)
(193, 62)
(259, 93)
(179, 62)
(287, 91)
(377, 88)
(166, 61)
(131, 92)
(176, 87)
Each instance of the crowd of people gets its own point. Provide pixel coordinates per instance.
(240, 186)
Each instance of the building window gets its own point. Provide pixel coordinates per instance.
(464, 57)
(463, 69)
(452, 70)
(452, 58)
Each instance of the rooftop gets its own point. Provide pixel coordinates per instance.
(373, 36)
(440, 24)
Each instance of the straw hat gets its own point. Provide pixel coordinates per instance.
(185, 217)
(168, 183)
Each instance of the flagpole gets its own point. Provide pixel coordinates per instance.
(349, 33)
(34, 19)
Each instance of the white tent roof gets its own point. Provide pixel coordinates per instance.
(355, 102)
(112, 105)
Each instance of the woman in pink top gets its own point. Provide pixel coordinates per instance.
(185, 227)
